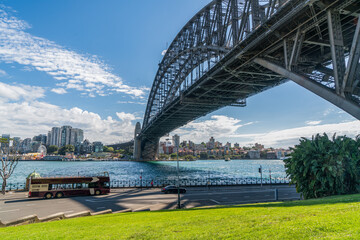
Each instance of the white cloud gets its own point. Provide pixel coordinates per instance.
(313, 122)
(225, 128)
(218, 126)
(26, 116)
(2, 73)
(59, 90)
(26, 119)
(76, 71)
(18, 92)
(291, 136)
(131, 102)
(126, 116)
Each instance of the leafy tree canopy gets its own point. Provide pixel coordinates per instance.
(322, 167)
(52, 148)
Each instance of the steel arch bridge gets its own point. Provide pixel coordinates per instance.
(233, 49)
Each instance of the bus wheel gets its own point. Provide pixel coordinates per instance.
(48, 195)
(59, 195)
(97, 192)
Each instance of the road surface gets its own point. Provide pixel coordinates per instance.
(15, 205)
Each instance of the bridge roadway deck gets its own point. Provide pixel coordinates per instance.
(16, 205)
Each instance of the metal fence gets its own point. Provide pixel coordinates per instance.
(204, 182)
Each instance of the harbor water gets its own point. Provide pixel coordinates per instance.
(129, 170)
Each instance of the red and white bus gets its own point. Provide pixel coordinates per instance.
(58, 187)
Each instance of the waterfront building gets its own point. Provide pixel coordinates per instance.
(55, 136)
(98, 146)
(161, 147)
(176, 140)
(86, 147)
(271, 155)
(76, 136)
(218, 144)
(65, 135)
(200, 147)
(40, 138)
(26, 145)
(254, 154)
(211, 143)
(191, 145)
(279, 153)
(16, 143)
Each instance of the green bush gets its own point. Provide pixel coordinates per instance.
(322, 167)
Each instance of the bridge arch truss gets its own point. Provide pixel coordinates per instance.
(233, 49)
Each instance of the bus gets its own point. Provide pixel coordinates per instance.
(58, 187)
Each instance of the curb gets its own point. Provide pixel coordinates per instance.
(141, 210)
(22, 221)
(53, 217)
(124, 211)
(107, 211)
(79, 214)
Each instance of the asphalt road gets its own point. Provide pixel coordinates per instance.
(15, 205)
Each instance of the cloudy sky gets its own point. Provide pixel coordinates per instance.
(90, 64)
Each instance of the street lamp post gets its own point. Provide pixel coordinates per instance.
(141, 171)
(178, 178)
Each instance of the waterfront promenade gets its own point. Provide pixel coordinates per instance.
(15, 204)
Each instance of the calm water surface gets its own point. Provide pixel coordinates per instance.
(126, 170)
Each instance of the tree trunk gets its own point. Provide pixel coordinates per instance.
(3, 187)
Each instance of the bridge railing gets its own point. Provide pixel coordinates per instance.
(200, 182)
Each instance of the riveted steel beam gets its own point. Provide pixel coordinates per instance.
(320, 90)
(337, 48)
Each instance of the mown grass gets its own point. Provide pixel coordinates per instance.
(328, 218)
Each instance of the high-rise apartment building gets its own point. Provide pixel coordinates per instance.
(176, 140)
(55, 136)
(64, 136)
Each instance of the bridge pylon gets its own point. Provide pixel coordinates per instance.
(145, 149)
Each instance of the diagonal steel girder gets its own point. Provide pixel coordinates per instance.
(320, 90)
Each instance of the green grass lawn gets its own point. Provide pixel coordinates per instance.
(328, 218)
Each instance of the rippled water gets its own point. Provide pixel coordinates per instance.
(126, 170)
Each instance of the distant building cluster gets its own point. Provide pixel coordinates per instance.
(216, 149)
(57, 136)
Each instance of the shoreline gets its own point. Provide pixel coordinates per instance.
(128, 160)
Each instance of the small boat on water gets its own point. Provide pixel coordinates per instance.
(227, 159)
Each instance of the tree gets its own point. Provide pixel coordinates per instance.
(52, 148)
(67, 148)
(189, 157)
(9, 161)
(173, 155)
(322, 167)
(203, 155)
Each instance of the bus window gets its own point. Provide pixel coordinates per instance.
(85, 185)
(78, 185)
(50, 187)
(93, 185)
(105, 184)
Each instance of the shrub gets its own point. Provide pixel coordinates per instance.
(322, 167)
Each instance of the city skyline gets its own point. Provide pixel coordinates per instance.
(70, 73)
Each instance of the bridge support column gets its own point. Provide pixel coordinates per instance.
(314, 87)
(149, 149)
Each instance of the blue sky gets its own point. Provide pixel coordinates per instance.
(90, 64)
